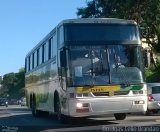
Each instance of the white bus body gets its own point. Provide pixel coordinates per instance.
(70, 72)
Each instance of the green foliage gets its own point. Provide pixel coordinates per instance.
(145, 12)
(8, 81)
(152, 75)
(13, 84)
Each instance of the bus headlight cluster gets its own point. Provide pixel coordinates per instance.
(79, 105)
(82, 107)
(138, 92)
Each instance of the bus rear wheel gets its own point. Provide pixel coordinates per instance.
(120, 116)
(33, 108)
(35, 112)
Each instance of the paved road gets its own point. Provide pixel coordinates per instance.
(16, 118)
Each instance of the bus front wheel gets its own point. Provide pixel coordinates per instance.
(62, 118)
(120, 116)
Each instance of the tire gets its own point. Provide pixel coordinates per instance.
(155, 112)
(58, 110)
(60, 117)
(120, 116)
(33, 108)
(148, 113)
(35, 112)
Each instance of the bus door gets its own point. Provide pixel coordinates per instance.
(62, 68)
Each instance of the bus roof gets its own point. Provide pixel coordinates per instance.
(84, 20)
(98, 20)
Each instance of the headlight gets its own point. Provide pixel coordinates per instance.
(79, 105)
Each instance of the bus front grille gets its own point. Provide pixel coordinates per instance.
(113, 93)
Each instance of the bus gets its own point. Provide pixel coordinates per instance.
(73, 71)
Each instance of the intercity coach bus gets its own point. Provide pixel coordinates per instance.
(73, 71)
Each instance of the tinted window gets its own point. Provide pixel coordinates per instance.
(40, 55)
(50, 48)
(27, 64)
(93, 65)
(156, 89)
(35, 59)
(61, 35)
(101, 32)
(54, 46)
(46, 52)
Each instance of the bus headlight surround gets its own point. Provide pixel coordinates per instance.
(78, 95)
(82, 107)
(81, 95)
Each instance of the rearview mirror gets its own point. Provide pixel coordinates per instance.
(147, 59)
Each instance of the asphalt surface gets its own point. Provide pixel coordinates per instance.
(19, 119)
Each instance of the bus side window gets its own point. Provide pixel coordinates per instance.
(63, 58)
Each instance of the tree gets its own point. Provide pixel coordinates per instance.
(145, 12)
(0, 79)
(8, 81)
(13, 83)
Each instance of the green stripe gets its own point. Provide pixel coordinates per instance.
(132, 87)
(136, 87)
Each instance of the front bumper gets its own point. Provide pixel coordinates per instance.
(106, 106)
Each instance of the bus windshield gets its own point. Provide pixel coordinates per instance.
(101, 65)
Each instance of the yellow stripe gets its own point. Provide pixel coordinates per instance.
(96, 89)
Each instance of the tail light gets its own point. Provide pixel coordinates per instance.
(150, 98)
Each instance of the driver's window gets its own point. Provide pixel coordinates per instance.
(118, 56)
(80, 62)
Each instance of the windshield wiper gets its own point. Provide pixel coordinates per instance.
(123, 76)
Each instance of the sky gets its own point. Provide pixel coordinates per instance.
(24, 23)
